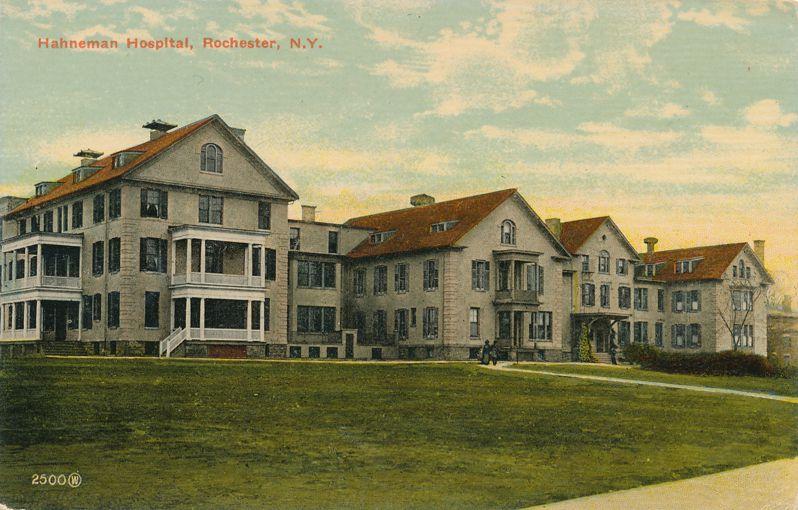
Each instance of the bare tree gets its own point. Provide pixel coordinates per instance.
(738, 309)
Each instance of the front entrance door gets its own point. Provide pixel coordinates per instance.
(60, 320)
(350, 345)
(518, 328)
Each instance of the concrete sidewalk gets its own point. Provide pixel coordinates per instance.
(504, 367)
(769, 486)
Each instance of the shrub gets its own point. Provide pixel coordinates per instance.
(585, 353)
(733, 363)
(640, 354)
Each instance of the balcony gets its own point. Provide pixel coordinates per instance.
(42, 261)
(220, 279)
(522, 296)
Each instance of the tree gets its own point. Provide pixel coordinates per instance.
(736, 311)
(585, 352)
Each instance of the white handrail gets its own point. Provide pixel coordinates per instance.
(171, 342)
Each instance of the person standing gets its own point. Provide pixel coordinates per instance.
(494, 353)
(486, 353)
(613, 352)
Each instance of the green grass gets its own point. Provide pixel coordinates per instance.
(772, 385)
(204, 434)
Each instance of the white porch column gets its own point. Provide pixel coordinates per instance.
(262, 321)
(174, 257)
(202, 319)
(13, 309)
(40, 265)
(80, 319)
(2, 320)
(172, 313)
(249, 320)
(188, 260)
(263, 265)
(27, 271)
(25, 317)
(188, 318)
(202, 260)
(38, 319)
(248, 263)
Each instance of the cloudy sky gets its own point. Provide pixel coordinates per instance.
(678, 119)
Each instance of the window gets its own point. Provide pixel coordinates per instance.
(412, 317)
(585, 263)
(151, 308)
(430, 274)
(694, 340)
(48, 221)
(97, 311)
(267, 309)
(743, 335)
(677, 336)
(641, 299)
(641, 332)
(650, 270)
(380, 325)
(154, 203)
(686, 266)
(380, 280)
(264, 215)
(315, 274)
(332, 352)
(658, 340)
(624, 297)
(503, 275)
(255, 260)
(360, 282)
(271, 264)
(32, 270)
(677, 301)
(295, 351)
(98, 210)
(114, 204)
(376, 353)
(473, 321)
(623, 333)
(534, 278)
(214, 257)
(210, 209)
(588, 294)
(480, 275)
(293, 243)
(742, 300)
(114, 254)
(508, 232)
(360, 323)
(621, 266)
(380, 237)
(504, 325)
(332, 242)
(442, 226)
(152, 254)
(32, 315)
(72, 314)
(63, 218)
(315, 319)
(694, 301)
(211, 158)
(97, 258)
(660, 300)
(540, 326)
(77, 214)
(22, 226)
(20, 268)
(605, 295)
(34, 223)
(401, 278)
(604, 262)
(113, 309)
(400, 323)
(314, 352)
(430, 322)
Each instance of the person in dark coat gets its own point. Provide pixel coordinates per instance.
(613, 350)
(486, 353)
(494, 353)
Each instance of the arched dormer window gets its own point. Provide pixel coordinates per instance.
(211, 158)
(604, 262)
(508, 232)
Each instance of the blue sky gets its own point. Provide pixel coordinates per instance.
(679, 119)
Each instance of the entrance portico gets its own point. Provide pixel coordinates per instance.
(601, 329)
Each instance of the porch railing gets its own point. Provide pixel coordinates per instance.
(171, 342)
(528, 296)
(237, 280)
(224, 334)
(69, 282)
(64, 282)
(19, 334)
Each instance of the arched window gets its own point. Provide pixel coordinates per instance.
(508, 232)
(211, 158)
(604, 262)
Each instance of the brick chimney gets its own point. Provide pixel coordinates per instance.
(421, 199)
(555, 225)
(650, 243)
(309, 213)
(759, 250)
(158, 128)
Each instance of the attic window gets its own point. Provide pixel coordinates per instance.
(443, 226)
(381, 237)
(41, 189)
(123, 158)
(651, 270)
(686, 266)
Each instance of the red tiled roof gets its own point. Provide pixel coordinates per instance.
(575, 233)
(412, 225)
(715, 260)
(107, 172)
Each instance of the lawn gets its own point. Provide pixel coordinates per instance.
(209, 434)
(772, 385)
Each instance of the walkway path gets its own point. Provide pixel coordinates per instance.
(505, 367)
(769, 486)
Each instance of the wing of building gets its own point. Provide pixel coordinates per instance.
(182, 245)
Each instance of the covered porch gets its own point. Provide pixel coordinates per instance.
(42, 319)
(220, 319)
(42, 260)
(603, 329)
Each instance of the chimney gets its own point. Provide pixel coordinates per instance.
(555, 225)
(158, 128)
(421, 199)
(759, 250)
(87, 156)
(239, 132)
(650, 243)
(309, 213)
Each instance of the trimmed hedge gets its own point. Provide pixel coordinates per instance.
(733, 363)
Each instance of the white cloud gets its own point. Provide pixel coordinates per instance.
(43, 9)
(156, 19)
(280, 12)
(707, 18)
(768, 113)
(666, 111)
(709, 97)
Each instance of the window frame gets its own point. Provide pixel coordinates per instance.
(151, 322)
(507, 232)
(217, 158)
